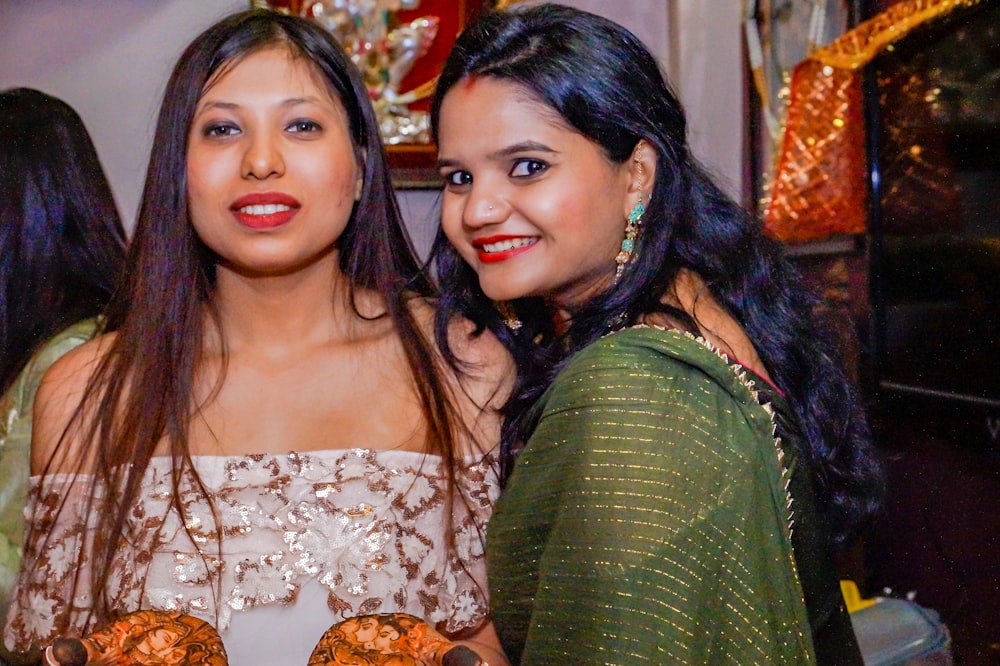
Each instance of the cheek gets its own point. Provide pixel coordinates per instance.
(335, 171)
(451, 221)
(595, 215)
(196, 199)
(563, 212)
(203, 182)
(558, 205)
(205, 200)
(335, 179)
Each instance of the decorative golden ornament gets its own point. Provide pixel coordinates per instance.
(819, 189)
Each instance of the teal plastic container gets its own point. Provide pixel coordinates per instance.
(893, 632)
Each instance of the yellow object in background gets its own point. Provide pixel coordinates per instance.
(852, 597)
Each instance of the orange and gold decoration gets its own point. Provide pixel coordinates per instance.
(389, 639)
(819, 187)
(169, 638)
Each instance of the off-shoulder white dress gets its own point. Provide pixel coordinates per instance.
(309, 539)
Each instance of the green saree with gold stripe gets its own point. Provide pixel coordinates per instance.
(648, 518)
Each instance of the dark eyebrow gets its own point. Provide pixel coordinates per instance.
(228, 106)
(523, 147)
(295, 101)
(287, 103)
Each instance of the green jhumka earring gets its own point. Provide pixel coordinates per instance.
(632, 223)
(631, 232)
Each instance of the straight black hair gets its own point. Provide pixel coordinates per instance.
(62, 244)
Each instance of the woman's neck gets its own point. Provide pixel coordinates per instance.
(278, 312)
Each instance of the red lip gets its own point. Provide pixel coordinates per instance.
(288, 207)
(496, 257)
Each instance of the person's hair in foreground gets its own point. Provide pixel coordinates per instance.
(62, 244)
(142, 393)
(595, 78)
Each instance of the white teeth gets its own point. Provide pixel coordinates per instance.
(264, 209)
(505, 245)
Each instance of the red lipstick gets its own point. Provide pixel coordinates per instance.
(510, 246)
(265, 210)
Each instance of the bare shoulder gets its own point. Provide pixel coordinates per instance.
(485, 369)
(56, 404)
(483, 355)
(479, 380)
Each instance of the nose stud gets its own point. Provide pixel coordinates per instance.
(490, 207)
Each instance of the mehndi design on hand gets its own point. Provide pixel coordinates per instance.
(143, 638)
(389, 639)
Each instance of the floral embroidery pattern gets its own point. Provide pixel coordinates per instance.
(368, 525)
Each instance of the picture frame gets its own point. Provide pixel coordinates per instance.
(412, 166)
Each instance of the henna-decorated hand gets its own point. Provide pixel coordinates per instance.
(390, 639)
(143, 638)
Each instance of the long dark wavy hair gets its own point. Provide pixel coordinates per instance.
(606, 85)
(160, 311)
(62, 244)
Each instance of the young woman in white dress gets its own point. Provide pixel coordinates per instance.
(269, 442)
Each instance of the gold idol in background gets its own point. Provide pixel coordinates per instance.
(383, 49)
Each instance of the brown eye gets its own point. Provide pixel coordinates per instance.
(304, 126)
(220, 130)
(457, 178)
(525, 168)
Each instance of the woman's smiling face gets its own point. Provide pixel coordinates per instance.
(535, 207)
(271, 168)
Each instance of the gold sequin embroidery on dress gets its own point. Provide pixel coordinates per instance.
(366, 524)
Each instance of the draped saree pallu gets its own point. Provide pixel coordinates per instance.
(649, 519)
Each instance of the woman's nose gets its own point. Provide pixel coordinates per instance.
(485, 209)
(263, 157)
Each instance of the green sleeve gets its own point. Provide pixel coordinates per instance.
(651, 512)
(15, 447)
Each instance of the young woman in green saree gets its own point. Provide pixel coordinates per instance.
(684, 451)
